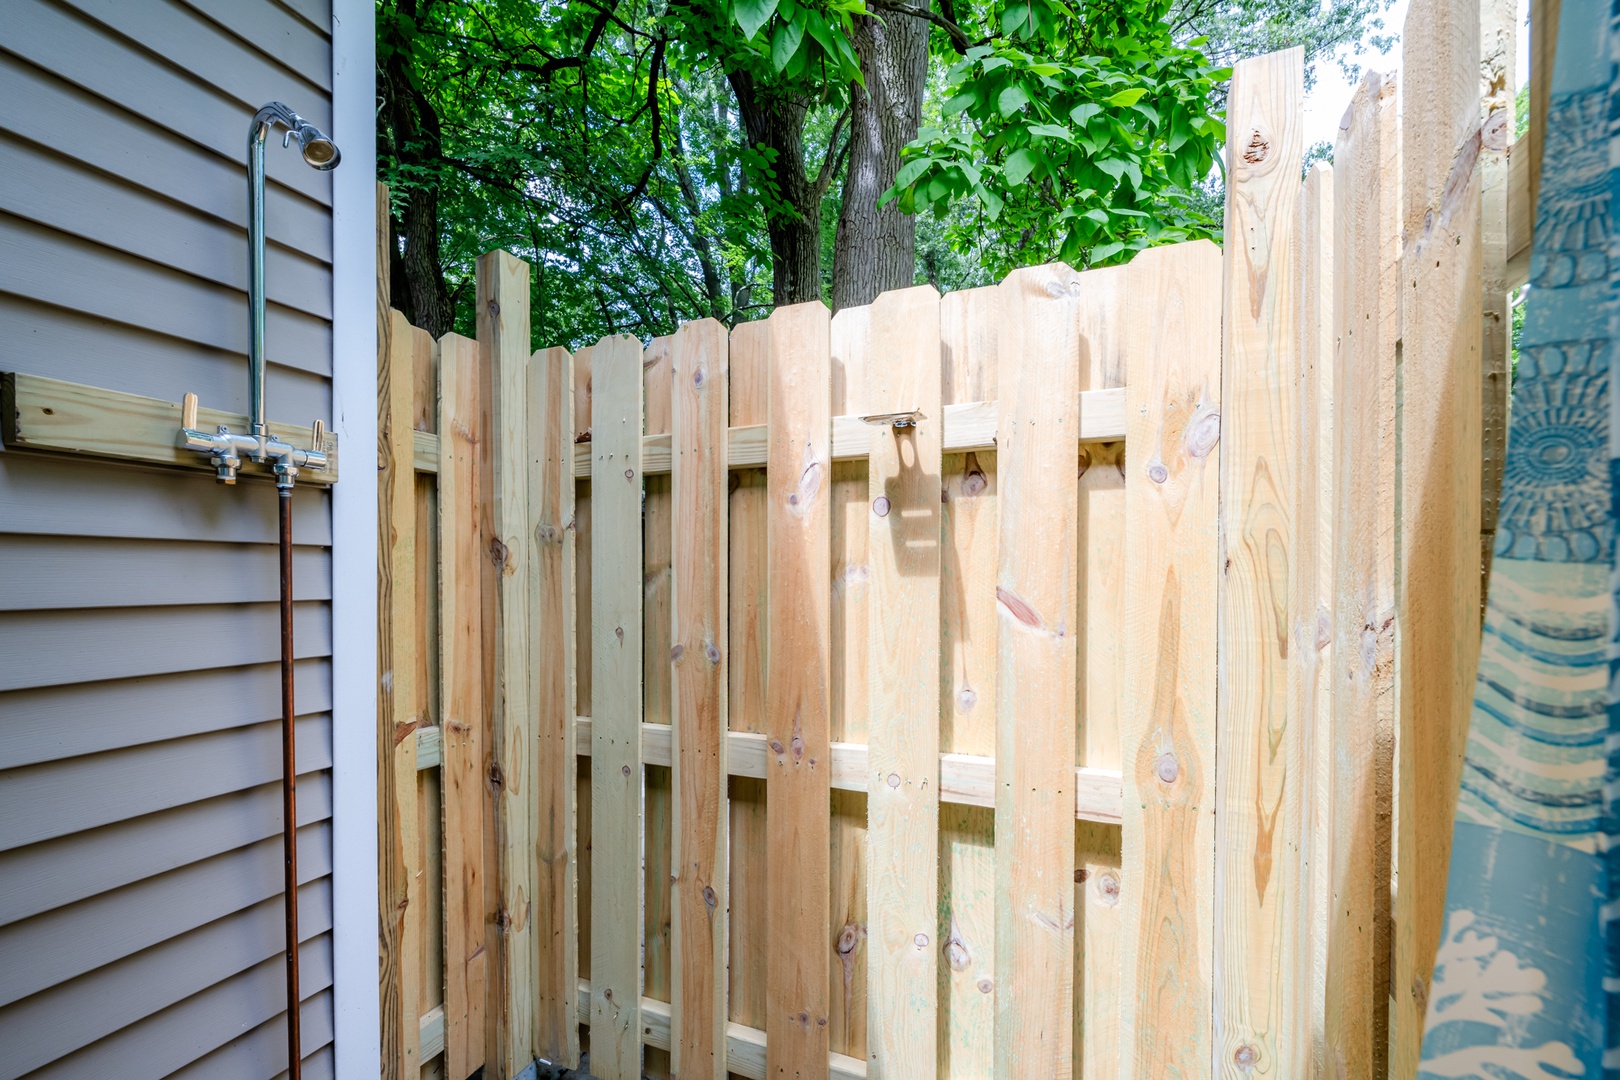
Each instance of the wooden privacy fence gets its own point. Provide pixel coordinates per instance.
(999, 684)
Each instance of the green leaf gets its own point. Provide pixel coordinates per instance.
(1103, 252)
(1044, 69)
(1012, 99)
(1125, 98)
(752, 14)
(1097, 214)
(1147, 111)
(1114, 167)
(961, 101)
(785, 42)
(990, 200)
(1020, 163)
(1052, 131)
(823, 33)
(911, 170)
(1014, 18)
(1081, 113)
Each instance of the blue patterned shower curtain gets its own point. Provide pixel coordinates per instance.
(1527, 981)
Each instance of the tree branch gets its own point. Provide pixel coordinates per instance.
(959, 37)
(834, 157)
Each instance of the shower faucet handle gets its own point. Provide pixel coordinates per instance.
(317, 435)
(188, 411)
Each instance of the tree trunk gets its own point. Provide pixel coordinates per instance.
(413, 128)
(777, 123)
(876, 249)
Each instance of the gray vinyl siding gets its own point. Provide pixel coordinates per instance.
(140, 809)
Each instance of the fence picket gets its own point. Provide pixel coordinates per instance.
(503, 352)
(797, 689)
(1262, 741)
(903, 679)
(552, 623)
(1172, 480)
(968, 331)
(849, 962)
(616, 701)
(745, 622)
(583, 658)
(1366, 285)
(657, 542)
(1038, 461)
(1439, 432)
(461, 649)
(699, 380)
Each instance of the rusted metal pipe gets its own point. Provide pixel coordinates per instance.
(289, 788)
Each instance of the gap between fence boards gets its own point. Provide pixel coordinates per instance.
(968, 427)
(964, 779)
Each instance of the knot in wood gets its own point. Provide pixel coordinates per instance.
(776, 747)
(1158, 473)
(894, 780)
(697, 377)
(985, 986)
(880, 506)
(629, 474)
(1246, 1057)
(1257, 149)
(1166, 768)
(709, 897)
(1202, 434)
(921, 941)
(1080, 875)
(713, 653)
(1108, 890)
(625, 769)
(676, 652)
(848, 938)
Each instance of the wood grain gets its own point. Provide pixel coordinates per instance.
(463, 715)
(503, 353)
(1498, 85)
(1366, 287)
(969, 325)
(1439, 431)
(1259, 1017)
(903, 509)
(400, 903)
(552, 623)
(851, 344)
(797, 691)
(657, 545)
(1038, 466)
(699, 898)
(616, 704)
(746, 628)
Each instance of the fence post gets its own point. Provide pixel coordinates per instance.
(1437, 626)
(1167, 730)
(503, 349)
(1264, 772)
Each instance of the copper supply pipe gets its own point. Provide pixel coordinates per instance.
(289, 789)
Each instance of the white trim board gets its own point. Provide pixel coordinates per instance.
(356, 1019)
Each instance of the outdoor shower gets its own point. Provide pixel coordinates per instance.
(226, 449)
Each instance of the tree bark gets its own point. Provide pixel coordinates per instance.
(413, 126)
(776, 122)
(876, 249)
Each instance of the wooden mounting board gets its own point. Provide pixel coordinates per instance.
(964, 779)
(37, 413)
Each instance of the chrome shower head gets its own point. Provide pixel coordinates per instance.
(319, 151)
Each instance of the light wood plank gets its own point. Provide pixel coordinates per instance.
(1366, 287)
(1099, 679)
(797, 690)
(462, 736)
(658, 793)
(1260, 1021)
(39, 413)
(1165, 892)
(748, 564)
(1311, 589)
(698, 909)
(551, 664)
(851, 343)
(1038, 462)
(583, 656)
(1437, 625)
(968, 342)
(616, 703)
(903, 681)
(964, 779)
(503, 354)
(969, 426)
(400, 901)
